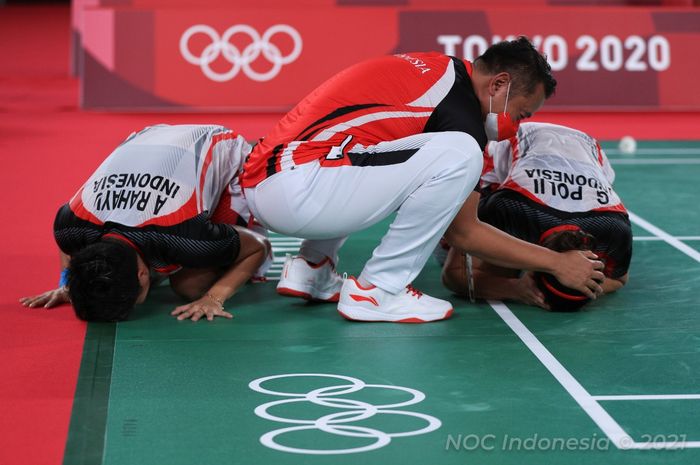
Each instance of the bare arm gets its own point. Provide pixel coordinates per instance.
(253, 250)
(490, 281)
(574, 269)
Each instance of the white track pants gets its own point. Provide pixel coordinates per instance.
(325, 205)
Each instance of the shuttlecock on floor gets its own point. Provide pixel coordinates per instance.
(627, 145)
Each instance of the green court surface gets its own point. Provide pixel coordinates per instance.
(618, 383)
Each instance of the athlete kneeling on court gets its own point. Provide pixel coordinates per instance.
(399, 134)
(551, 185)
(164, 203)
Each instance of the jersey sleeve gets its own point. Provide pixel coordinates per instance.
(72, 233)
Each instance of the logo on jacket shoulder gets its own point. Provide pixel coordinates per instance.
(419, 64)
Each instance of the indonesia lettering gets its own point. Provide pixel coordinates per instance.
(566, 185)
(128, 191)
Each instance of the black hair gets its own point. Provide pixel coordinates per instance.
(103, 281)
(559, 297)
(522, 61)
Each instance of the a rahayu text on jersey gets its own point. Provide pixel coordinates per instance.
(162, 175)
(552, 165)
(379, 100)
(163, 189)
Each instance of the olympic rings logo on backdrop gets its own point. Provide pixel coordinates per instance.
(337, 423)
(241, 60)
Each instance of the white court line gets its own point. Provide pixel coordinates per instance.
(655, 238)
(650, 397)
(663, 445)
(605, 422)
(583, 398)
(655, 161)
(666, 237)
(657, 151)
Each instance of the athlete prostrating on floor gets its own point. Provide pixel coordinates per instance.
(549, 185)
(405, 134)
(164, 203)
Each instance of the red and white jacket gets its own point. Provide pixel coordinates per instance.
(379, 100)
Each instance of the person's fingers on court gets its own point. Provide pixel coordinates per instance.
(187, 314)
(37, 301)
(53, 301)
(28, 301)
(597, 264)
(223, 313)
(182, 312)
(595, 287)
(197, 314)
(588, 292)
(180, 309)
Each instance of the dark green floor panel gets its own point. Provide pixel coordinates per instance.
(87, 433)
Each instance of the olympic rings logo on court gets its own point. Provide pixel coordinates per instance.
(337, 423)
(241, 60)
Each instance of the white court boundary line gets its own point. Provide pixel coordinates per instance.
(656, 238)
(281, 246)
(655, 161)
(650, 397)
(583, 398)
(656, 151)
(666, 237)
(586, 401)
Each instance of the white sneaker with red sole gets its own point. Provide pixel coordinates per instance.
(358, 303)
(311, 282)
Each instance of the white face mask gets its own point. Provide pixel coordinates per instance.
(500, 126)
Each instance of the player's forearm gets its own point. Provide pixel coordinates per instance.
(499, 248)
(495, 284)
(236, 276)
(491, 287)
(252, 253)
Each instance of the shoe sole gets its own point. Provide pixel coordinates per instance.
(289, 292)
(373, 317)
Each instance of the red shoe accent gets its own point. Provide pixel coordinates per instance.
(418, 320)
(285, 291)
(357, 283)
(362, 298)
(410, 320)
(345, 316)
